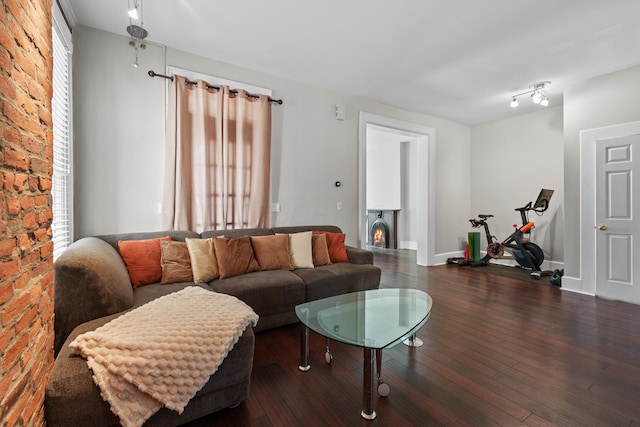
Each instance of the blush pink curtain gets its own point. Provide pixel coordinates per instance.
(217, 160)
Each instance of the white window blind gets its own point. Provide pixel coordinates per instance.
(62, 224)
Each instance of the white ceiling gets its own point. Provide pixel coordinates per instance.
(456, 59)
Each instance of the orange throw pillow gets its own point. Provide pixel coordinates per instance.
(142, 258)
(336, 246)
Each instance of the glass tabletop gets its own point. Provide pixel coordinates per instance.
(377, 318)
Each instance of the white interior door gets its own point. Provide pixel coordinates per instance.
(617, 228)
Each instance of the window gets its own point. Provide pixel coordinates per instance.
(62, 189)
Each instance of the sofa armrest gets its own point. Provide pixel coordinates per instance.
(90, 281)
(359, 256)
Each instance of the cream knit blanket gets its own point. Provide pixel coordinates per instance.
(162, 353)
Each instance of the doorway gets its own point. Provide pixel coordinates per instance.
(610, 232)
(425, 137)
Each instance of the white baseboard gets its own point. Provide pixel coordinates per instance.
(408, 244)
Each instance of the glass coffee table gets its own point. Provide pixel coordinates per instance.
(374, 320)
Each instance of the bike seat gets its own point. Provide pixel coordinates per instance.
(481, 216)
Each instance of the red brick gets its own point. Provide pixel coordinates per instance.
(16, 116)
(14, 307)
(7, 246)
(12, 136)
(6, 336)
(15, 9)
(25, 320)
(8, 42)
(41, 200)
(32, 145)
(44, 184)
(13, 205)
(16, 159)
(40, 166)
(6, 292)
(46, 250)
(19, 180)
(29, 221)
(7, 379)
(45, 116)
(9, 179)
(31, 259)
(7, 88)
(27, 203)
(22, 281)
(25, 242)
(33, 183)
(45, 216)
(40, 234)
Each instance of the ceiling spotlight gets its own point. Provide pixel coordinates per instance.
(537, 96)
(133, 10)
(137, 32)
(134, 64)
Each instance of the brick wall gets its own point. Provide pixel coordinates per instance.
(26, 263)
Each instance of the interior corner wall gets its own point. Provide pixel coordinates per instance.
(119, 144)
(602, 101)
(118, 135)
(512, 160)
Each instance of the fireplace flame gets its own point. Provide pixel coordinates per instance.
(378, 237)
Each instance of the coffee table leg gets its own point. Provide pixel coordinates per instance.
(368, 384)
(413, 341)
(304, 349)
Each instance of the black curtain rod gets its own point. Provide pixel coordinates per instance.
(189, 82)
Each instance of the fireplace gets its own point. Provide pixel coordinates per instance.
(382, 228)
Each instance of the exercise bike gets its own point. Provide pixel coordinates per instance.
(526, 253)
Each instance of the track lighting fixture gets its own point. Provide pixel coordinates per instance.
(137, 32)
(133, 9)
(537, 94)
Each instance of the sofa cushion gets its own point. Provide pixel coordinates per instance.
(272, 252)
(266, 292)
(320, 250)
(299, 228)
(336, 246)
(177, 235)
(90, 281)
(204, 264)
(235, 256)
(73, 399)
(175, 262)
(142, 258)
(144, 294)
(239, 232)
(300, 249)
(338, 278)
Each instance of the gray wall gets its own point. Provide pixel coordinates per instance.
(511, 160)
(119, 144)
(603, 101)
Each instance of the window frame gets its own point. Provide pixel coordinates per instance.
(62, 109)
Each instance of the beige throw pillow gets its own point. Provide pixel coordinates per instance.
(204, 264)
(300, 249)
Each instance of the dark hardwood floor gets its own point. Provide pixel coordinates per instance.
(498, 351)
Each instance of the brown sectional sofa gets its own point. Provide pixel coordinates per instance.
(92, 286)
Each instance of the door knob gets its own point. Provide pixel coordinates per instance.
(602, 227)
